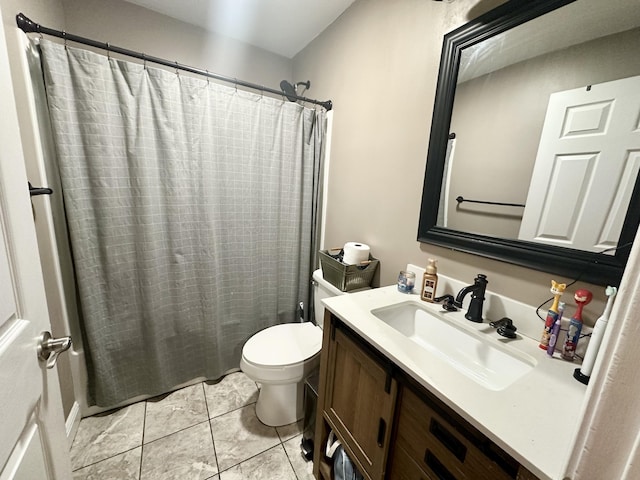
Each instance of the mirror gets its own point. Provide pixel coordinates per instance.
(528, 122)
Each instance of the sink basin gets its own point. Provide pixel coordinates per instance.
(491, 364)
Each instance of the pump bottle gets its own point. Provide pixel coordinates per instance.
(429, 282)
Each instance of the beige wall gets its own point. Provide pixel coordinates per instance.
(379, 64)
(490, 145)
(136, 28)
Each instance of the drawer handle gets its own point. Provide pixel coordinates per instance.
(382, 428)
(437, 467)
(452, 444)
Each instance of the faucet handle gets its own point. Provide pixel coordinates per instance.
(447, 302)
(503, 321)
(505, 327)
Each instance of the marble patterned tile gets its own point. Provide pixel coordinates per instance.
(239, 435)
(124, 466)
(187, 454)
(287, 431)
(108, 434)
(233, 391)
(302, 468)
(175, 411)
(270, 464)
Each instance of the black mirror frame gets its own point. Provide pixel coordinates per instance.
(597, 268)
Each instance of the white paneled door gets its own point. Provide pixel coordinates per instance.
(33, 443)
(586, 167)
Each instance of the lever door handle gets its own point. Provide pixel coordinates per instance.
(49, 348)
(39, 190)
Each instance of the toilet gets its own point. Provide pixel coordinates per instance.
(281, 357)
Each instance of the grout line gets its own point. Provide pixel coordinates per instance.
(106, 458)
(254, 456)
(213, 442)
(144, 424)
(177, 431)
(232, 410)
(290, 462)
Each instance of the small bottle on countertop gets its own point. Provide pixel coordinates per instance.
(429, 282)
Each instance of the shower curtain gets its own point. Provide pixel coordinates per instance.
(190, 209)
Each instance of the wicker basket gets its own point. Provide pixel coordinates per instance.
(347, 277)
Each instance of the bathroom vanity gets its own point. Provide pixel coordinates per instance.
(415, 393)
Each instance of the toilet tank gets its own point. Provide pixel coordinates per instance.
(322, 289)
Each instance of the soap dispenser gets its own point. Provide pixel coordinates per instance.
(429, 282)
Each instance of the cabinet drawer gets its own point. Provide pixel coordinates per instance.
(403, 467)
(449, 450)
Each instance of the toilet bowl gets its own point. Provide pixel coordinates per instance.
(280, 357)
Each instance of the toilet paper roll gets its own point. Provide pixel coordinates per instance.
(355, 253)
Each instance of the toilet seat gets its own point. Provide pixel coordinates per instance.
(283, 345)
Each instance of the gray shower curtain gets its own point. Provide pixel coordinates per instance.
(190, 212)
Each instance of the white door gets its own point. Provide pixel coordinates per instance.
(586, 167)
(33, 443)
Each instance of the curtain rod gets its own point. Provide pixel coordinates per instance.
(28, 26)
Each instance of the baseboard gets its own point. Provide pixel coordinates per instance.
(73, 420)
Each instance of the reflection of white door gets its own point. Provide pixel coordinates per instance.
(586, 167)
(33, 443)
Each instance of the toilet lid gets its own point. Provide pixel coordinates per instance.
(283, 344)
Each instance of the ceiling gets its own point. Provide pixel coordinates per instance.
(573, 24)
(280, 26)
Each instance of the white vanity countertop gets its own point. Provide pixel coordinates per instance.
(534, 419)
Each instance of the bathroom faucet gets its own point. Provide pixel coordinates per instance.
(474, 312)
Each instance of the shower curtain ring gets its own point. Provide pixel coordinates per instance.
(177, 67)
(64, 37)
(207, 76)
(235, 84)
(144, 61)
(108, 51)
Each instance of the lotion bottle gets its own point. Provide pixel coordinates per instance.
(429, 282)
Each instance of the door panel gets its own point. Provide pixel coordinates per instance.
(586, 167)
(33, 439)
(359, 401)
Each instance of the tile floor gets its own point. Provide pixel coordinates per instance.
(205, 431)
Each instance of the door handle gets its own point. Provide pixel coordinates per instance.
(382, 429)
(49, 348)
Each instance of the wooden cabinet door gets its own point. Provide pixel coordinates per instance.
(360, 399)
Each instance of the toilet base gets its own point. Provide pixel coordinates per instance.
(280, 405)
